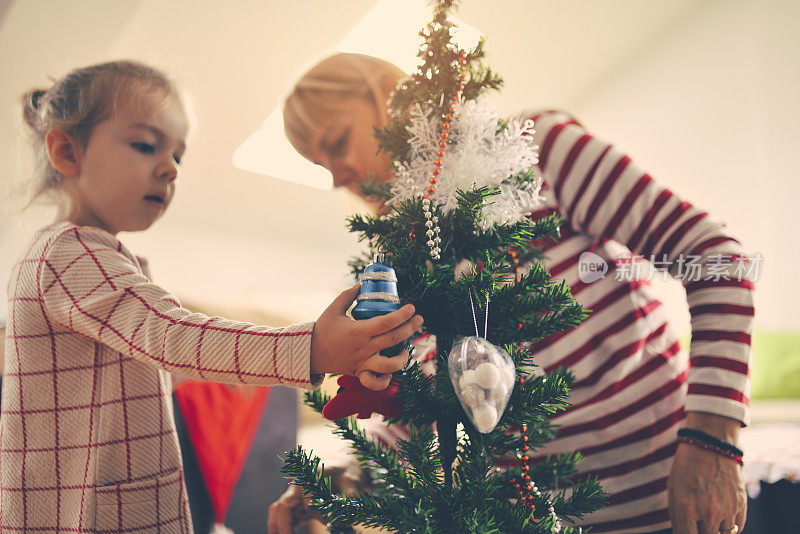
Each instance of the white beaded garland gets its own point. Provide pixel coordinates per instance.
(557, 526)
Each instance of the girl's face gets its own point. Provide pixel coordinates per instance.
(128, 168)
(347, 148)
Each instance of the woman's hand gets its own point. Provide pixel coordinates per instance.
(706, 490)
(292, 509)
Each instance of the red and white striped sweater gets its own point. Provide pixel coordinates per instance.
(633, 382)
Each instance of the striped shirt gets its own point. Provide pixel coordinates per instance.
(633, 382)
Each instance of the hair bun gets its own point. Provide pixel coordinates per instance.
(31, 104)
(37, 94)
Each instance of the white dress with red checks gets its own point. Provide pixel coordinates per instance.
(88, 439)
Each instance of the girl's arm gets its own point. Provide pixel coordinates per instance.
(605, 194)
(90, 284)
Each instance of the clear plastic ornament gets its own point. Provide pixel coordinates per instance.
(483, 379)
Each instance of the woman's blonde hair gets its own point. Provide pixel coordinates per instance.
(326, 91)
(83, 98)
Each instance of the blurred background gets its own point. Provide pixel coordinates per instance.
(702, 93)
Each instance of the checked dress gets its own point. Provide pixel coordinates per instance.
(87, 432)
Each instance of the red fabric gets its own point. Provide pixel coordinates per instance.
(353, 398)
(222, 421)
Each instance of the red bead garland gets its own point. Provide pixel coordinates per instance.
(527, 490)
(524, 488)
(513, 254)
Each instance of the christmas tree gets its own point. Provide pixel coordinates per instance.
(462, 249)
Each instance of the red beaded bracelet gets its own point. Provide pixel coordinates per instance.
(722, 452)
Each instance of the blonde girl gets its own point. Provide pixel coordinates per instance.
(88, 436)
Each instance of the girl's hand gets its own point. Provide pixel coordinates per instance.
(344, 346)
(377, 381)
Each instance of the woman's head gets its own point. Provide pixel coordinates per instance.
(104, 133)
(330, 115)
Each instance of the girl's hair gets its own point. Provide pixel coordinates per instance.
(326, 91)
(83, 98)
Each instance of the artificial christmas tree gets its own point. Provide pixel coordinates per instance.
(458, 235)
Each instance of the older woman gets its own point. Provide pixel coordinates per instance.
(634, 389)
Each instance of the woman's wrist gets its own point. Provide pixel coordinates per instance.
(698, 438)
(713, 433)
(718, 426)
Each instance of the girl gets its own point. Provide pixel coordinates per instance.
(88, 436)
(633, 390)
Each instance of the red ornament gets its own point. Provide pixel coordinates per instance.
(353, 398)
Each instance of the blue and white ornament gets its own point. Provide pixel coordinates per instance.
(379, 296)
